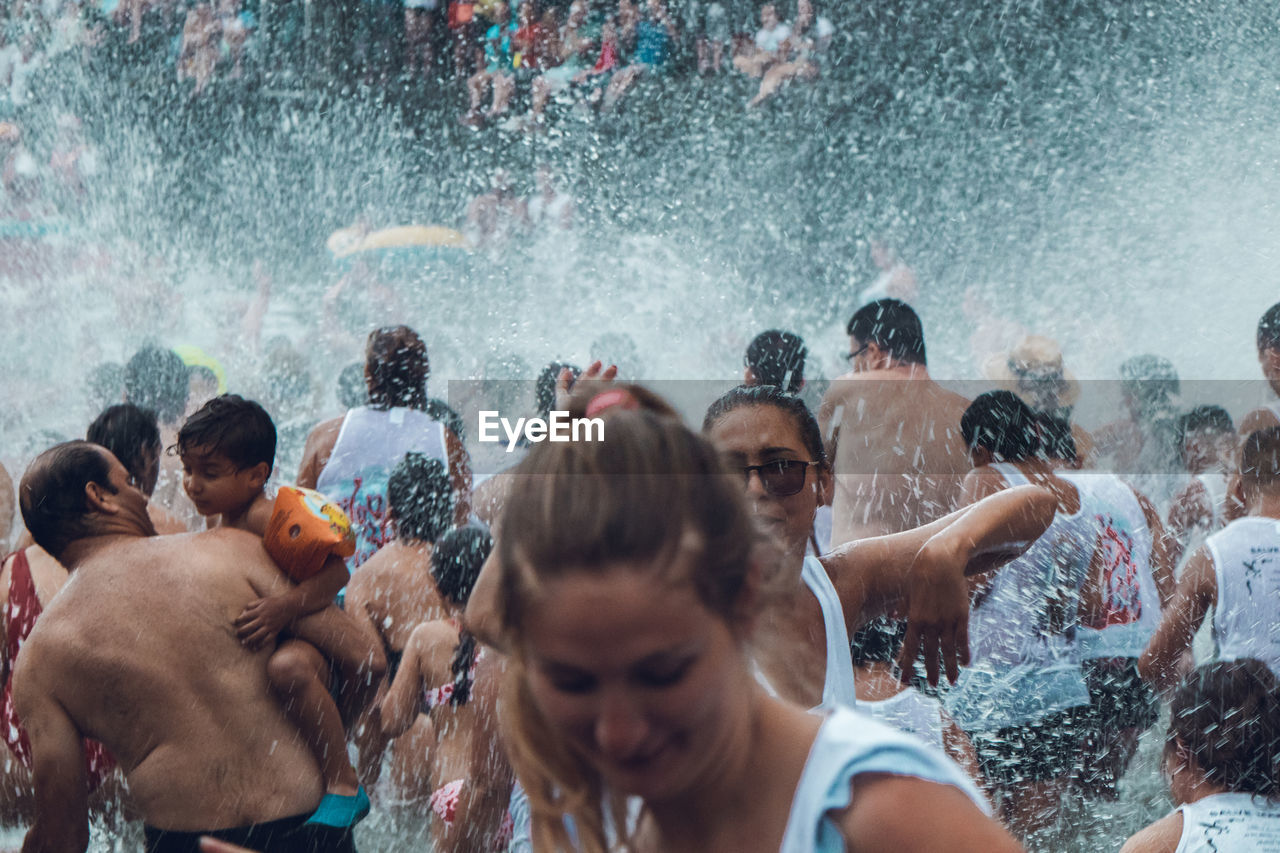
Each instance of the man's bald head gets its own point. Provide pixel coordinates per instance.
(53, 497)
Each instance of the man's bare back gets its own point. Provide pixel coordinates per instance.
(899, 459)
(140, 650)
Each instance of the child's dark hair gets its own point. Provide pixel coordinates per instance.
(999, 421)
(234, 427)
(879, 641)
(455, 564)
(770, 395)
(420, 497)
(1226, 716)
(130, 433)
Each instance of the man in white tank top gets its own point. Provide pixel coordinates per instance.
(1235, 574)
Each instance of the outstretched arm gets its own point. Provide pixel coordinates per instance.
(58, 766)
(1197, 592)
(869, 573)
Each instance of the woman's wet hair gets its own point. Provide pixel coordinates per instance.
(1000, 422)
(455, 564)
(396, 368)
(651, 494)
(420, 498)
(770, 395)
(777, 358)
(130, 433)
(1225, 719)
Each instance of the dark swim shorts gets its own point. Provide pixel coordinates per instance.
(1036, 752)
(287, 835)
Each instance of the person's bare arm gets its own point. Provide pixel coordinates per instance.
(1197, 592)
(1189, 508)
(58, 766)
(939, 557)
(890, 814)
(315, 455)
(1163, 836)
(960, 750)
(399, 707)
(1163, 555)
(459, 476)
(262, 620)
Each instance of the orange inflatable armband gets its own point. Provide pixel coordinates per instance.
(305, 528)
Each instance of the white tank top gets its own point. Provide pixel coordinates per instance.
(1246, 564)
(1131, 600)
(837, 687)
(1022, 671)
(1230, 823)
(370, 444)
(912, 712)
(848, 745)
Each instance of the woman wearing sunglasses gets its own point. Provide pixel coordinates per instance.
(631, 581)
(814, 604)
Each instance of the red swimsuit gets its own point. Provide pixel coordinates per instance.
(21, 611)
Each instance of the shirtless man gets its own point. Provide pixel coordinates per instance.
(893, 432)
(126, 654)
(1269, 358)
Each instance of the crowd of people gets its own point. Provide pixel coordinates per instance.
(895, 618)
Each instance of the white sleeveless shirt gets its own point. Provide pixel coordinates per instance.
(1215, 488)
(1021, 671)
(1246, 564)
(1230, 823)
(370, 444)
(848, 745)
(1131, 600)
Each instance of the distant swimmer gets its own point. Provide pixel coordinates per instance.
(893, 434)
(126, 651)
(895, 281)
(1268, 341)
(1143, 446)
(1220, 762)
(157, 379)
(1235, 575)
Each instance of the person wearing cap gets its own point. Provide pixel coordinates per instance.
(1034, 370)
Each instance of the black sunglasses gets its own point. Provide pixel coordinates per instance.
(781, 478)
(850, 356)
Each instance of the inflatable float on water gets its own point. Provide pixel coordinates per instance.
(403, 248)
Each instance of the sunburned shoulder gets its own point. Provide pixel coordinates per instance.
(1162, 836)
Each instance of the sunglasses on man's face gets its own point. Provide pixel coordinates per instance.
(781, 478)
